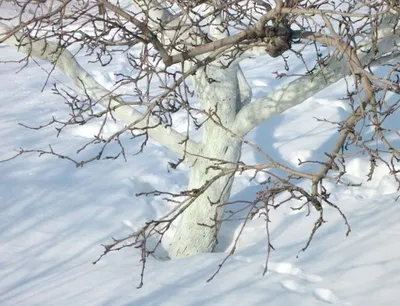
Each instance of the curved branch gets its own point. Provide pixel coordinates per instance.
(66, 62)
(305, 87)
(252, 32)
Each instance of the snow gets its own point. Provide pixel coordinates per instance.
(54, 216)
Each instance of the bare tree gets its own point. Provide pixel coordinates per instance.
(190, 62)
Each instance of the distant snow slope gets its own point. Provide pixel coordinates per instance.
(53, 216)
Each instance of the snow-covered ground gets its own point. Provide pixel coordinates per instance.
(54, 217)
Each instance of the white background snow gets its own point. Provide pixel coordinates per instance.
(54, 216)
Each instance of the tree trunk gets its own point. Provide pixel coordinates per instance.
(192, 238)
(218, 90)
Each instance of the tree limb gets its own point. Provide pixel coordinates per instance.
(305, 87)
(142, 27)
(66, 62)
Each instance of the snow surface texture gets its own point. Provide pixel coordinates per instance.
(53, 216)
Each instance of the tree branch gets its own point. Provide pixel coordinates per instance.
(305, 87)
(252, 32)
(65, 61)
(142, 27)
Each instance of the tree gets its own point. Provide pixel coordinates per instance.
(190, 57)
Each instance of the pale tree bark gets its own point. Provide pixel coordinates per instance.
(198, 228)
